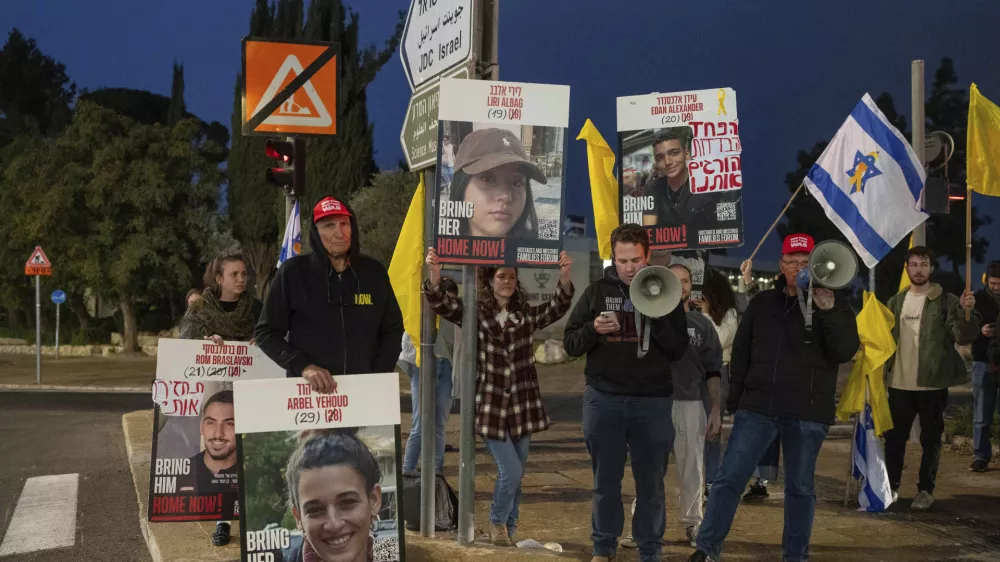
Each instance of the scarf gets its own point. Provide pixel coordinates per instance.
(206, 317)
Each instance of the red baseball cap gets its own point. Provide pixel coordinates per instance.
(797, 244)
(329, 207)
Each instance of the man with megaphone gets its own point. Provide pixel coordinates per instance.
(631, 329)
(783, 378)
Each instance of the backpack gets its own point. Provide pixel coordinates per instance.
(445, 503)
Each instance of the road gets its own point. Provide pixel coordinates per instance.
(49, 434)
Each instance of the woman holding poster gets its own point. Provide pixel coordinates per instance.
(224, 312)
(508, 399)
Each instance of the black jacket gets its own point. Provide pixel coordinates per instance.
(988, 311)
(613, 365)
(345, 322)
(774, 372)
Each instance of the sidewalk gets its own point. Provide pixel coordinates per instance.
(94, 374)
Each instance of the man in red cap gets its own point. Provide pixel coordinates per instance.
(331, 312)
(781, 386)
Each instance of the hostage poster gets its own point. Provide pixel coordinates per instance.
(321, 472)
(192, 471)
(681, 173)
(500, 169)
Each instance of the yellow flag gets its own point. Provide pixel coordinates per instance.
(877, 346)
(983, 145)
(904, 279)
(603, 186)
(406, 267)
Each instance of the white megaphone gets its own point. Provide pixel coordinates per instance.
(832, 264)
(655, 291)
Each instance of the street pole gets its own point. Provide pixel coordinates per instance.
(428, 380)
(57, 331)
(38, 329)
(485, 43)
(917, 115)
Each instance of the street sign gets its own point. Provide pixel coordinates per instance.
(58, 296)
(419, 136)
(38, 263)
(289, 87)
(437, 36)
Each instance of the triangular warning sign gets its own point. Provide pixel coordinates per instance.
(290, 112)
(38, 258)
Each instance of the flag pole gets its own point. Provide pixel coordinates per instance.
(968, 247)
(775, 223)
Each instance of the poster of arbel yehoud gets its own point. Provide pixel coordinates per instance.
(321, 472)
(500, 170)
(680, 172)
(192, 471)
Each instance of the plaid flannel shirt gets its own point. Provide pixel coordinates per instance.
(508, 399)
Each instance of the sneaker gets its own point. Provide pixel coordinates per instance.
(221, 535)
(499, 536)
(700, 556)
(978, 466)
(692, 534)
(757, 492)
(895, 496)
(922, 501)
(628, 542)
(603, 559)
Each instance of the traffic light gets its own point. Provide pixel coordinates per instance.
(291, 175)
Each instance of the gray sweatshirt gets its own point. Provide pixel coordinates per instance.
(702, 361)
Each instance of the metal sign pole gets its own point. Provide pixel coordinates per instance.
(57, 330)
(38, 329)
(428, 384)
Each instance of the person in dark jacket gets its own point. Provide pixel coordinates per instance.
(984, 379)
(335, 305)
(782, 384)
(626, 405)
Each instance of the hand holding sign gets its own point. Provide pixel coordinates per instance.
(434, 267)
(319, 379)
(565, 264)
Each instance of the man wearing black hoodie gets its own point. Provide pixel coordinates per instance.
(335, 305)
(626, 405)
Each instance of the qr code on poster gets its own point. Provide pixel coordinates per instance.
(725, 211)
(386, 550)
(548, 229)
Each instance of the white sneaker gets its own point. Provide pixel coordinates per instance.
(692, 534)
(627, 542)
(922, 501)
(895, 496)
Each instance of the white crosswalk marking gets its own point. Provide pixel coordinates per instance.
(45, 516)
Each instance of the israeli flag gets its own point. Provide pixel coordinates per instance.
(291, 244)
(868, 181)
(869, 466)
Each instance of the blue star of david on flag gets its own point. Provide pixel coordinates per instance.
(863, 170)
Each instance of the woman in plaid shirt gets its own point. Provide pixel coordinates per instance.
(508, 400)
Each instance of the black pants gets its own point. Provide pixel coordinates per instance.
(904, 405)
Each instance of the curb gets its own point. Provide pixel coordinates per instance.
(72, 388)
(131, 419)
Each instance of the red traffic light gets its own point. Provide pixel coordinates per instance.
(283, 150)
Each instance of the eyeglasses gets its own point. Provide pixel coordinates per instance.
(797, 263)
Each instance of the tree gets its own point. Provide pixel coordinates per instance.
(35, 92)
(381, 209)
(177, 107)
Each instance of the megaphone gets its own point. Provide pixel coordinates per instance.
(832, 264)
(655, 291)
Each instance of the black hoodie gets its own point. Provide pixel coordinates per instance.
(614, 364)
(346, 323)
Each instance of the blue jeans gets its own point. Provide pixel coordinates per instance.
(442, 405)
(640, 427)
(751, 436)
(713, 448)
(984, 398)
(511, 458)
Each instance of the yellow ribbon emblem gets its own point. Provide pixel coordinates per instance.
(722, 102)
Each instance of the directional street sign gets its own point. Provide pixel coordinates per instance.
(437, 37)
(58, 296)
(420, 129)
(289, 87)
(38, 263)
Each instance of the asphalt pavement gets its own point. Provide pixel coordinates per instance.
(49, 437)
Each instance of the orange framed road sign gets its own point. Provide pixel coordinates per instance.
(290, 87)
(38, 263)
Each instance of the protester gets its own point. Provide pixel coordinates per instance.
(335, 305)
(929, 322)
(984, 379)
(693, 426)
(508, 399)
(718, 304)
(626, 404)
(335, 497)
(783, 380)
(223, 312)
(493, 173)
(443, 347)
(191, 296)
